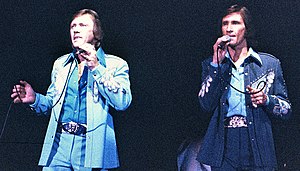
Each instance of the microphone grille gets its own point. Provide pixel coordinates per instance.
(228, 38)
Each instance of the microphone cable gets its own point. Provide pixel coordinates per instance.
(12, 102)
(5, 120)
(240, 91)
(64, 89)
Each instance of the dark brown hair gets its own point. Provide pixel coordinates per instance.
(246, 16)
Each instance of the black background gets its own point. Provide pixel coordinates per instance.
(164, 43)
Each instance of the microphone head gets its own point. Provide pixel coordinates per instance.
(222, 44)
(81, 51)
(228, 38)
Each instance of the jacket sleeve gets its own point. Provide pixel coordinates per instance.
(279, 104)
(212, 86)
(43, 103)
(112, 82)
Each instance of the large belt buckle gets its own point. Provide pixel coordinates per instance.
(237, 122)
(72, 127)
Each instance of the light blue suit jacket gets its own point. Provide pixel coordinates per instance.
(101, 150)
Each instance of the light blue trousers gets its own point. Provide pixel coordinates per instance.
(68, 154)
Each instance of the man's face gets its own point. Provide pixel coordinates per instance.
(81, 30)
(233, 25)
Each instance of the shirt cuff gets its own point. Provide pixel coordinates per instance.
(35, 103)
(268, 100)
(214, 64)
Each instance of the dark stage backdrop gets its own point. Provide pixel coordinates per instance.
(164, 43)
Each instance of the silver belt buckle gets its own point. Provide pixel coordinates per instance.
(237, 122)
(73, 127)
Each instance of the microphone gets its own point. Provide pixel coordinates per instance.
(222, 44)
(79, 51)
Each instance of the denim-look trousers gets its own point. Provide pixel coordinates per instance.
(238, 153)
(68, 153)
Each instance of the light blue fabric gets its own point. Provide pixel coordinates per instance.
(74, 107)
(101, 149)
(67, 153)
(236, 100)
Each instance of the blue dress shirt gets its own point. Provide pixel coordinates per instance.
(236, 100)
(74, 107)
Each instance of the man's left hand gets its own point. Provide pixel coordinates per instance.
(258, 98)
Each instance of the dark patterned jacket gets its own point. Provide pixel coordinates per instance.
(213, 99)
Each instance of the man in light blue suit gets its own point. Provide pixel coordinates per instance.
(84, 85)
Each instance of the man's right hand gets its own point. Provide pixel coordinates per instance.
(23, 93)
(218, 52)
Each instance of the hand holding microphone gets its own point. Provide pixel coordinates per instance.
(219, 48)
(224, 40)
(87, 53)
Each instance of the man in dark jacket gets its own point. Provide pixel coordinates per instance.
(242, 89)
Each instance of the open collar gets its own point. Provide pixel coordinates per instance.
(251, 55)
(100, 55)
